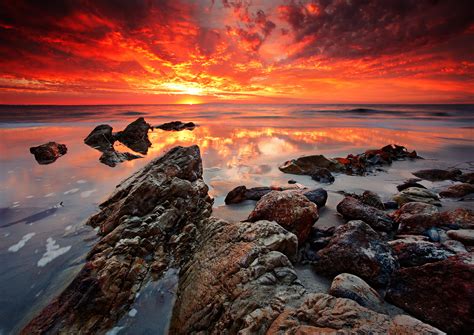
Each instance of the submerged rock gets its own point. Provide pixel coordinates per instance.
(49, 152)
(323, 175)
(290, 209)
(144, 217)
(101, 138)
(353, 209)
(441, 293)
(135, 136)
(176, 126)
(352, 287)
(113, 157)
(457, 191)
(466, 177)
(438, 174)
(242, 193)
(317, 196)
(415, 194)
(357, 249)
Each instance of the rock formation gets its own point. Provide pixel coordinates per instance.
(49, 152)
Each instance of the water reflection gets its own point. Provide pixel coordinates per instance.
(238, 145)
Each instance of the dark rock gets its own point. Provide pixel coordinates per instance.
(409, 184)
(291, 181)
(49, 152)
(242, 193)
(290, 209)
(112, 157)
(441, 293)
(323, 175)
(415, 252)
(457, 191)
(390, 205)
(101, 138)
(176, 126)
(372, 199)
(307, 165)
(318, 196)
(135, 136)
(353, 209)
(357, 249)
(438, 174)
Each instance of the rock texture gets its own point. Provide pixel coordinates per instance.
(441, 293)
(309, 165)
(113, 157)
(353, 209)
(357, 249)
(414, 252)
(415, 194)
(49, 152)
(290, 209)
(466, 236)
(457, 191)
(438, 174)
(135, 136)
(139, 225)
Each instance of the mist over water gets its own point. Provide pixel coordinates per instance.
(43, 239)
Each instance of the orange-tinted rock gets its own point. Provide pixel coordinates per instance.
(49, 152)
(290, 209)
(135, 136)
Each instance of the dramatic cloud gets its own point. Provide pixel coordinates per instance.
(161, 51)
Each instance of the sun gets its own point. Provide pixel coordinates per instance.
(189, 101)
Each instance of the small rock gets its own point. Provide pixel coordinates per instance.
(290, 209)
(318, 196)
(408, 184)
(457, 191)
(177, 126)
(292, 181)
(49, 152)
(306, 165)
(466, 236)
(413, 252)
(346, 285)
(135, 136)
(372, 199)
(101, 138)
(352, 209)
(438, 174)
(112, 157)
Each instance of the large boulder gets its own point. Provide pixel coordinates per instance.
(357, 249)
(290, 209)
(49, 152)
(101, 138)
(346, 285)
(411, 251)
(353, 209)
(440, 293)
(416, 194)
(309, 165)
(135, 136)
(438, 174)
(457, 191)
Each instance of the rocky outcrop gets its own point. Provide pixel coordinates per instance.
(411, 251)
(49, 152)
(457, 191)
(438, 174)
(357, 249)
(176, 126)
(352, 287)
(290, 209)
(415, 194)
(441, 293)
(140, 224)
(353, 209)
(135, 136)
(101, 138)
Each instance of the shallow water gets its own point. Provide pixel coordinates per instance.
(43, 242)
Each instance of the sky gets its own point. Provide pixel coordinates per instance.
(260, 51)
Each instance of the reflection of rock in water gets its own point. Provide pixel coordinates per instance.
(35, 217)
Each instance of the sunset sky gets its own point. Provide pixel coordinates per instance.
(261, 51)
